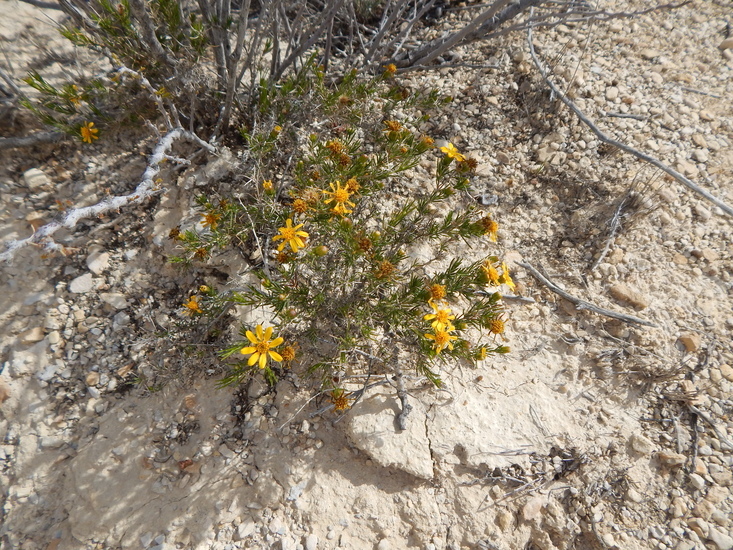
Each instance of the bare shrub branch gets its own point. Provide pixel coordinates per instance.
(144, 190)
(627, 148)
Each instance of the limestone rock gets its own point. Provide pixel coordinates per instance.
(35, 178)
(726, 44)
(31, 336)
(4, 390)
(82, 284)
(98, 262)
(671, 460)
(373, 429)
(641, 444)
(691, 341)
(720, 540)
(623, 293)
(116, 299)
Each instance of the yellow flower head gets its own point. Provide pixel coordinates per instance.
(441, 317)
(442, 339)
(193, 305)
(300, 206)
(392, 126)
(451, 152)
(492, 275)
(352, 186)
(335, 146)
(340, 198)
(340, 400)
(437, 292)
(288, 353)
(88, 132)
(490, 227)
(385, 269)
(390, 69)
(496, 326)
(74, 95)
(211, 219)
(291, 235)
(267, 185)
(261, 347)
(505, 278)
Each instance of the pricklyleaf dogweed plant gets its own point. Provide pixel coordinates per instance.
(337, 236)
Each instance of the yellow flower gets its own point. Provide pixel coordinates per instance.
(441, 317)
(385, 269)
(496, 326)
(193, 305)
(437, 292)
(340, 400)
(277, 129)
(442, 339)
(211, 219)
(492, 275)
(505, 278)
(392, 126)
(74, 95)
(268, 186)
(335, 146)
(288, 353)
(451, 152)
(291, 235)
(490, 227)
(262, 346)
(300, 206)
(352, 186)
(390, 69)
(88, 132)
(339, 196)
(204, 288)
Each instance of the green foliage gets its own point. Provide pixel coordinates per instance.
(338, 238)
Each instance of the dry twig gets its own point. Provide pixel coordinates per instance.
(628, 149)
(582, 304)
(28, 141)
(145, 189)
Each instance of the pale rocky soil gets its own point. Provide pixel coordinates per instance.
(581, 438)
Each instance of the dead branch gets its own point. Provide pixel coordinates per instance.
(580, 303)
(720, 433)
(145, 189)
(628, 149)
(44, 5)
(29, 141)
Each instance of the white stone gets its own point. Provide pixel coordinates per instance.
(641, 444)
(35, 178)
(116, 299)
(82, 284)
(244, 529)
(311, 542)
(721, 540)
(697, 481)
(49, 442)
(98, 262)
(372, 429)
